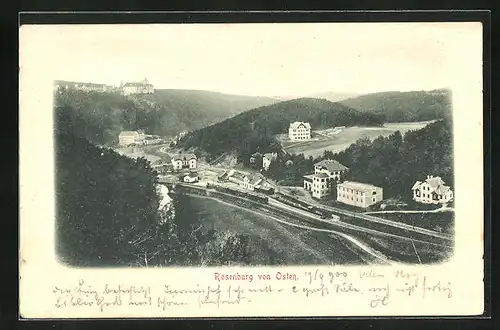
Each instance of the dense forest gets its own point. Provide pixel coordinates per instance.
(99, 117)
(393, 163)
(254, 130)
(405, 106)
(109, 212)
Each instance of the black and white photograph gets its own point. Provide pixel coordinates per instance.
(234, 169)
(175, 149)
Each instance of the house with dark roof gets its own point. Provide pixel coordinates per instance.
(180, 161)
(191, 177)
(432, 191)
(332, 168)
(126, 138)
(255, 159)
(246, 180)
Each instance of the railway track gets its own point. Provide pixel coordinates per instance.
(302, 217)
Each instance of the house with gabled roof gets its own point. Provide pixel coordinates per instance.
(246, 180)
(432, 191)
(299, 131)
(332, 168)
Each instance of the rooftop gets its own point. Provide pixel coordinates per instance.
(271, 156)
(137, 84)
(297, 124)
(129, 133)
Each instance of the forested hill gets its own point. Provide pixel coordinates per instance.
(99, 117)
(255, 129)
(405, 106)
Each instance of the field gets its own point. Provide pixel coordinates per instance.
(339, 139)
(273, 243)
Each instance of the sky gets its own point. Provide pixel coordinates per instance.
(253, 59)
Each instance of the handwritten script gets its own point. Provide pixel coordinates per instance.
(376, 289)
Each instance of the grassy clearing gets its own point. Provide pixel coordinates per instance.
(274, 243)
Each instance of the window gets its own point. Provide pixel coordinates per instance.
(373, 199)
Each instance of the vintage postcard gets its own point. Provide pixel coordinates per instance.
(251, 170)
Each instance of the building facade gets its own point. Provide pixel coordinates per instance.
(358, 194)
(326, 174)
(299, 131)
(142, 87)
(126, 138)
(432, 191)
(181, 161)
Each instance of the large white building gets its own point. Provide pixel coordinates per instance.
(180, 161)
(432, 191)
(326, 173)
(142, 87)
(299, 131)
(358, 194)
(126, 138)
